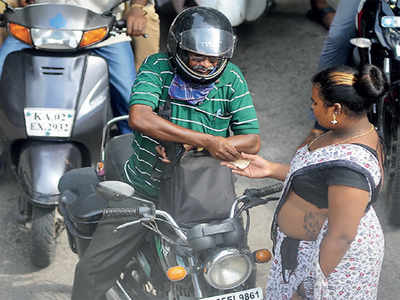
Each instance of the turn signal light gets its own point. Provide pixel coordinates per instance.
(262, 256)
(20, 32)
(93, 36)
(100, 169)
(176, 273)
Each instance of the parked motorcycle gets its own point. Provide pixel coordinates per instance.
(242, 10)
(54, 103)
(378, 24)
(210, 260)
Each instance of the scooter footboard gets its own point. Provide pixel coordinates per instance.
(40, 167)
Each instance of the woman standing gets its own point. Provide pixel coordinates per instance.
(328, 242)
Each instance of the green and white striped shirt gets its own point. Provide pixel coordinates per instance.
(228, 106)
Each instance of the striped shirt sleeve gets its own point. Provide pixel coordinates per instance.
(244, 119)
(148, 84)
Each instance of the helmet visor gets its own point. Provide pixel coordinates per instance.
(208, 41)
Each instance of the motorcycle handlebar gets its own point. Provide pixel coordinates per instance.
(139, 212)
(264, 191)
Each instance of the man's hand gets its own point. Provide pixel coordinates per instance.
(220, 148)
(135, 21)
(23, 3)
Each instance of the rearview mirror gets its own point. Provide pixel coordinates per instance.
(361, 42)
(114, 190)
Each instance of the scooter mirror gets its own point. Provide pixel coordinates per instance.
(361, 42)
(114, 190)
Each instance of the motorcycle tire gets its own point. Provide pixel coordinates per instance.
(43, 236)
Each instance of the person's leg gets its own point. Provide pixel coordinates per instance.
(144, 47)
(337, 48)
(321, 12)
(10, 44)
(104, 260)
(109, 251)
(121, 67)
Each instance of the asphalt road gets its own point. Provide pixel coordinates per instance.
(278, 55)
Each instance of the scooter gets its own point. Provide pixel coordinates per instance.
(239, 12)
(207, 260)
(54, 103)
(378, 43)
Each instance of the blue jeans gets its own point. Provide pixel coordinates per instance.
(121, 69)
(337, 49)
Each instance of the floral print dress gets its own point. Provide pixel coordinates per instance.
(357, 274)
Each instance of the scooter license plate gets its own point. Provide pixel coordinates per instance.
(49, 122)
(252, 294)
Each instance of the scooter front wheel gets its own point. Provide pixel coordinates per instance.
(43, 236)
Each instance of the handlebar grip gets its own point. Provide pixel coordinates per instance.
(139, 212)
(264, 191)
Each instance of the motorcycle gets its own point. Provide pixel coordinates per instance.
(55, 102)
(243, 10)
(378, 42)
(209, 260)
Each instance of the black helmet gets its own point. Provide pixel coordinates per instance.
(204, 31)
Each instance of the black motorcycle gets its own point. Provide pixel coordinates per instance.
(209, 260)
(378, 27)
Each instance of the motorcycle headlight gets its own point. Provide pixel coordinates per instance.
(228, 269)
(392, 37)
(56, 39)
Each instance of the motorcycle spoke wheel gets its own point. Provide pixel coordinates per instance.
(43, 236)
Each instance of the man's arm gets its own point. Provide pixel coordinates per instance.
(143, 119)
(247, 143)
(135, 18)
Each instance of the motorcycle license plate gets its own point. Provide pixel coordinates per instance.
(252, 294)
(49, 122)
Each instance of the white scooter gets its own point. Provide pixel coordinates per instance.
(238, 11)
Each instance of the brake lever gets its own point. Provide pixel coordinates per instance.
(146, 219)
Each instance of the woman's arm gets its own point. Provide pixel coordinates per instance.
(260, 168)
(346, 208)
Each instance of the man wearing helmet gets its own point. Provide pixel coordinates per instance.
(208, 99)
(207, 93)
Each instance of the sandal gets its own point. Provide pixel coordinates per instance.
(318, 15)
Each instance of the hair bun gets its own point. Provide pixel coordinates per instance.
(371, 82)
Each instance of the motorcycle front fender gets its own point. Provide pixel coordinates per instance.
(40, 166)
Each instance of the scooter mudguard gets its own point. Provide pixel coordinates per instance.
(41, 165)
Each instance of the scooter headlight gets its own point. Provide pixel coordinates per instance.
(228, 269)
(56, 39)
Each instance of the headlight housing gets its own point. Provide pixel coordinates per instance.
(228, 268)
(56, 39)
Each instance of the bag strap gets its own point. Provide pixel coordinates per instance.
(173, 150)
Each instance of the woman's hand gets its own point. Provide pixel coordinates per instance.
(258, 167)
